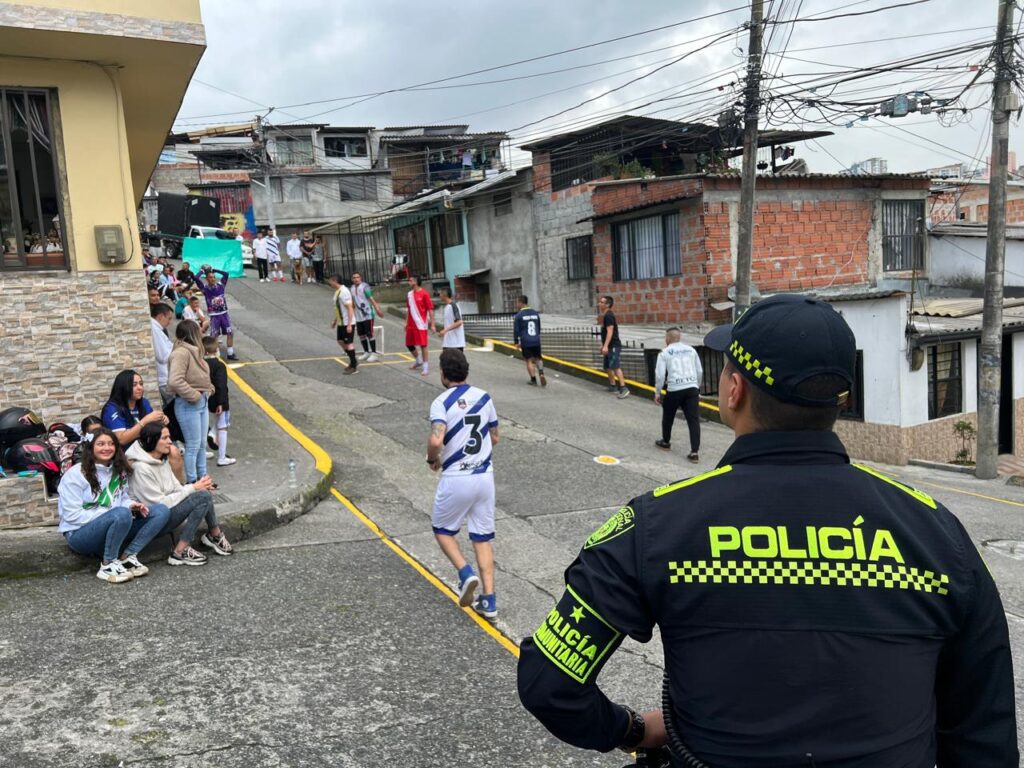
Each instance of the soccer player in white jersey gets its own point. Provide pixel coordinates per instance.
(464, 430)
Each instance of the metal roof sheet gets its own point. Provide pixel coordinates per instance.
(946, 307)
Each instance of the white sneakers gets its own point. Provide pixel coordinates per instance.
(134, 567)
(373, 357)
(227, 461)
(365, 357)
(114, 573)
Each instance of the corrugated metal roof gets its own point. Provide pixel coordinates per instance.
(945, 307)
(935, 325)
(487, 184)
(854, 293)
(452, 137)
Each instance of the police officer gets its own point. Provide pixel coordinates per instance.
(813, 612)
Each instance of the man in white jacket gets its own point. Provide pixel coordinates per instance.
(680, 373)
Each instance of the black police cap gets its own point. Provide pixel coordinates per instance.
(786, 339)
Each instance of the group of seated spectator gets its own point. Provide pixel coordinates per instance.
(130, 487)
(133, 482)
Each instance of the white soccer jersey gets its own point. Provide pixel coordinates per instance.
(342, 298)
(361, 298)
(469, 416)
(457, 337)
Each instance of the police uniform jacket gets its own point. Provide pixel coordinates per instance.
(812, 611)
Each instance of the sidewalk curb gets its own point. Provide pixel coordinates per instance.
(31, 552)
(941, 466)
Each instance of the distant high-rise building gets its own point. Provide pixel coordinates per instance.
(873, 166)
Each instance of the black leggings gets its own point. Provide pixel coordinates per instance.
(261, 267)
(689, 401)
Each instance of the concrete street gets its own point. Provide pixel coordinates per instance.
(316, 644)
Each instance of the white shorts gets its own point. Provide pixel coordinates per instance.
(223, 420)
(465, 498)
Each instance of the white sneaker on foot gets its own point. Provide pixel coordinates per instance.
(133, 566)
(114, 572)
(364, 357)
(227, 461)
(373, 357)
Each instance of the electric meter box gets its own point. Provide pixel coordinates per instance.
(110, 245)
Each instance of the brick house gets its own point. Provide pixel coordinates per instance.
(665, 248)
(966, 200)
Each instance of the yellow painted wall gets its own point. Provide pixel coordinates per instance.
(98, 181)
(171, 10)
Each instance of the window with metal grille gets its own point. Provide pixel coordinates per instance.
(854, 408)
(945, 387)
(357, 187)
(502, 202)
(293, 151)
(903, 235)
(340, 146)
(579, 257)
(451, 227)
(646, 248)
(32, 232)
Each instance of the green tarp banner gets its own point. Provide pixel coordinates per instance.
(219, 254)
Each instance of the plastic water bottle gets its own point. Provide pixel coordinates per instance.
(293, 480)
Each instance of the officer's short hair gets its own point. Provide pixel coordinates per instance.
(773, 415)
(454, 366)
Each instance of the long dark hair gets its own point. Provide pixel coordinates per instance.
(119, 464)
(150, 434)
(121, 391)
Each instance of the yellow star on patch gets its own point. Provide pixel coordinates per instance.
(577, 614)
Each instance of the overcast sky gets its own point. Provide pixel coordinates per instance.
(269, 53)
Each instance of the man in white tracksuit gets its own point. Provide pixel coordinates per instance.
(680, 373)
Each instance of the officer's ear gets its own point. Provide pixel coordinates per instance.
(735, 394)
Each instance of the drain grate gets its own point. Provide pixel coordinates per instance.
(1010, 547)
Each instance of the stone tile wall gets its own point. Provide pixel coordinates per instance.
(63, 338)
(23, 503)
(888, 444)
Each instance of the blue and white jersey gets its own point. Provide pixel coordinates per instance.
(469, 416)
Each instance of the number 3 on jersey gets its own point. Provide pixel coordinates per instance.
(475, 441)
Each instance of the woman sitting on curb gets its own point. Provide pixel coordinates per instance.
(97, 516)
(154, 483)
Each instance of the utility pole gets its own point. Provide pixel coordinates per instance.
(261, 131)
(1004, 101)
(752, 106)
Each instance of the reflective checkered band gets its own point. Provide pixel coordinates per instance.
(744, 358)
(814, 572)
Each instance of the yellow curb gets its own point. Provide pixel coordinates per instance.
(323, 464)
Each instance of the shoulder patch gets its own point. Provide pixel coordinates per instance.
(691, 481)
(924, 498)
(621, 522)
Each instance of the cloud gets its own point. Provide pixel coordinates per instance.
(310, 50)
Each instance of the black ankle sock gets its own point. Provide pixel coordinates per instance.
(366, 346)
(373, 346)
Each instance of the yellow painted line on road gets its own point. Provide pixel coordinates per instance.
(323, 461)
(401, 355)
(971, 493)
(593, 371)
(323, 464)
(485, 625)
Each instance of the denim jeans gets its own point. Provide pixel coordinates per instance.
(104, 535)
(194, 420)
(191, 511)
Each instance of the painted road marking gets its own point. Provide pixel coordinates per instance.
(402, 356)
(592, 371)
(608, 461)
(324, 464)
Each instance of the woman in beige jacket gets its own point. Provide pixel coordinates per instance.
(154, 483)
(188, 379)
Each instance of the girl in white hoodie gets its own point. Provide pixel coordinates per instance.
(153, 482)
(98, 517)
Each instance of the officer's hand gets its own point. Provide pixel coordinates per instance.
(657, 399)
(654, 729)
